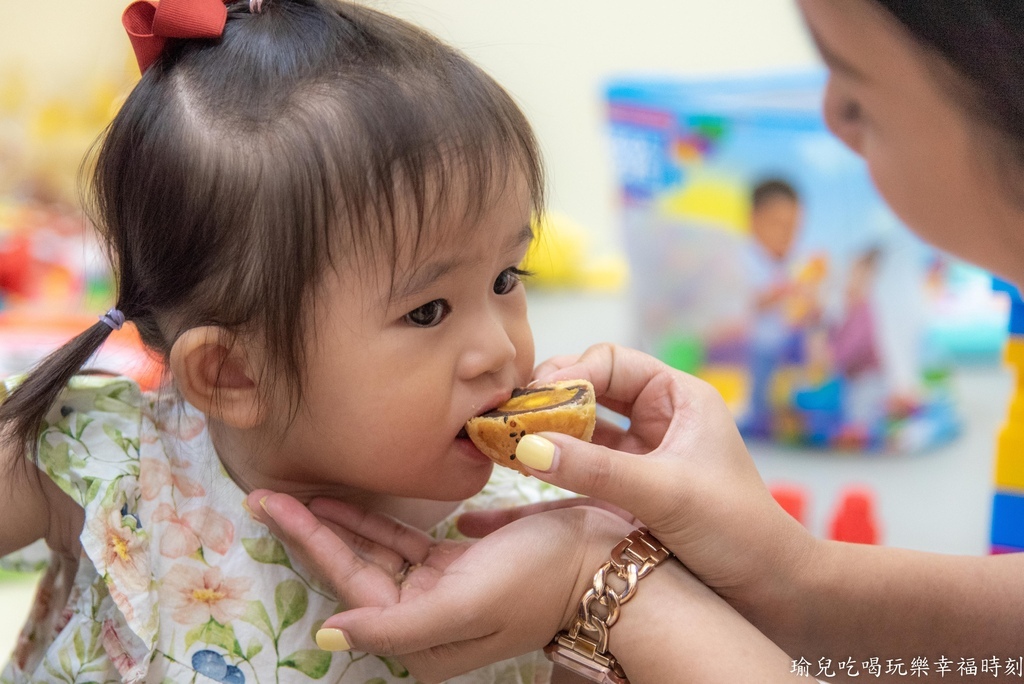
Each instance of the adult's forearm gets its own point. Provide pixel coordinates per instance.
(852, 603)
(678, 630)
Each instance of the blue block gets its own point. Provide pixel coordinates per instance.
(1008, 520)
(1000, 285)
(1016, 317)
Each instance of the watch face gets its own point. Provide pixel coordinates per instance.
(581, 665)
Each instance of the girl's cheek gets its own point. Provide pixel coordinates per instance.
(525, 352)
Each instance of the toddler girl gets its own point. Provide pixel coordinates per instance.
(315, 213)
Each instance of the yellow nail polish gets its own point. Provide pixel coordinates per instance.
(332, 640)
(263, 505)
(535, 452)
(245, 507)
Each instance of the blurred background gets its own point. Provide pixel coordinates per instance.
(66, 65)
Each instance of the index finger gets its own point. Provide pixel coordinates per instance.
(620, 375)
(553, 364)
(354, 580)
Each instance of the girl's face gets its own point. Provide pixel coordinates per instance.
(394, 374)
(889, 100)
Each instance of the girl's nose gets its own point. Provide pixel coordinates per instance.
(490, 349)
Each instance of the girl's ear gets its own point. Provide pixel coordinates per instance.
(215, 374)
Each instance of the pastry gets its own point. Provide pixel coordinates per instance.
(568, 407)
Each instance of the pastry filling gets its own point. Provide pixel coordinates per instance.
(527, 400)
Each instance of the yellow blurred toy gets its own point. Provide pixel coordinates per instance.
(560, 258)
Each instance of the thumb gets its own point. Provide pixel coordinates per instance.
(618, 478)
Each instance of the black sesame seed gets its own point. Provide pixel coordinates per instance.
(512, 457)
(511, 434)
(523, 433)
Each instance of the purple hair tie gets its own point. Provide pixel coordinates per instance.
(114, 318)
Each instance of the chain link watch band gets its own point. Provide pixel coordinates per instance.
(584, 647)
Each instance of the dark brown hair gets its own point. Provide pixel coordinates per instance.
(769, 189)
(239, 169)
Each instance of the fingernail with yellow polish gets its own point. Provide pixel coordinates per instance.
(245, 506)
(536, 452)
(263, 505)
(332, 640)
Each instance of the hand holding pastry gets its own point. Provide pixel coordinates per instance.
(680, 467)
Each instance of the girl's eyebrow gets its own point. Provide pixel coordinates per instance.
(524, 236)
(422, 278)
(430, 273)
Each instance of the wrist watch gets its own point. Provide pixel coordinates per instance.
(583, 648)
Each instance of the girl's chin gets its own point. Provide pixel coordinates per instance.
(453, 495)
(462, 475)
(467, 478)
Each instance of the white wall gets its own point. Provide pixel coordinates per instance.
(63, 45)
(555, 55)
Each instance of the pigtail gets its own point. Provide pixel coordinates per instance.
(23, 411)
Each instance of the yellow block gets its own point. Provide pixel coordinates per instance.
(730, 381)
(1010, 458)
(1013, 354)
(1016, 416)
(1013, 430)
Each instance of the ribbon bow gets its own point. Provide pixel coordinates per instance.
(150, 23)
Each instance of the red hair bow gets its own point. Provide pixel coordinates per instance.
(149, 24)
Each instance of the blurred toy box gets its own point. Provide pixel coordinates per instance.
(764, 261)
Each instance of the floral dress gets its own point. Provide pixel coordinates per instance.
(176, 583)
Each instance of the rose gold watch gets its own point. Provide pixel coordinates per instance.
(583, 648)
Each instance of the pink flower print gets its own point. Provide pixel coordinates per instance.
(180, 425)
(114, 647)
(123, 552)
(200, 527)
(182, 482)
(155, 474)
(172, 423)
(123, 603)
(196, 595)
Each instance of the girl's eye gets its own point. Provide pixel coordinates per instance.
(429, 315)
(508, 280)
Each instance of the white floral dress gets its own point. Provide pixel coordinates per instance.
(175, 582)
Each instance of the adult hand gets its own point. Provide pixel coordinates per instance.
(511, 591)
(680, 467)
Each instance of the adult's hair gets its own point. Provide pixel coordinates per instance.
(983, 40)
(240, 168)
(772, 188)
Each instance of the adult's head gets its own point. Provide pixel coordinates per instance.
(931, 94)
